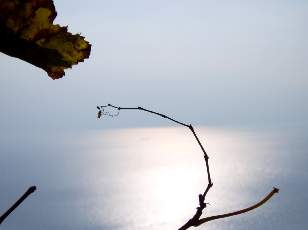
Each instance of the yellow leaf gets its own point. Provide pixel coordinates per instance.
(27, 32)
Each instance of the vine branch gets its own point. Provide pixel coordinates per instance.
(17, 203)
(263, 201)
(195, 220)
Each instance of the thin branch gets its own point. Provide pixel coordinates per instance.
(195, 220)
(149, 111)
(17, 203)
(263, 201)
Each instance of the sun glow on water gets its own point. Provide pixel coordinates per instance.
(160, 169)
(150, 178)
(156, 174)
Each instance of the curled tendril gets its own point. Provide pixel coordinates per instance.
(107, 110)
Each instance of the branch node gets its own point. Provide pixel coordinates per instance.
(201, 200)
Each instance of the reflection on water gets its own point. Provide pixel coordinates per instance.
(150, 178)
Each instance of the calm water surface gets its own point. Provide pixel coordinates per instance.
(149, 178)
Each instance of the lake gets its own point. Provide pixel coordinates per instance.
(150, 178)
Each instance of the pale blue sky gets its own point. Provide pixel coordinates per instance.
(205, 62)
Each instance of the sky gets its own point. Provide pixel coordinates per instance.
(234, 63)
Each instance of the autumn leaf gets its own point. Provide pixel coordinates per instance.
(27, 32)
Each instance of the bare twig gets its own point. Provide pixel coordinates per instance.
(195, 220)
(263, 201)
(17, 203)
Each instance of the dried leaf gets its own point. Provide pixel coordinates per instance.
(27, 32)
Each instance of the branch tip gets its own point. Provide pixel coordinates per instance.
(31, 189)
(17, 203)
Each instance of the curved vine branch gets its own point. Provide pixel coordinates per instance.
(195, 220)
(263, 201)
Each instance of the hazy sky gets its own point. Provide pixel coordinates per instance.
(205, 62)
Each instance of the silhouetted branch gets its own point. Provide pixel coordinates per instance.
(17, 203)
(195, 220)
(263, 201)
